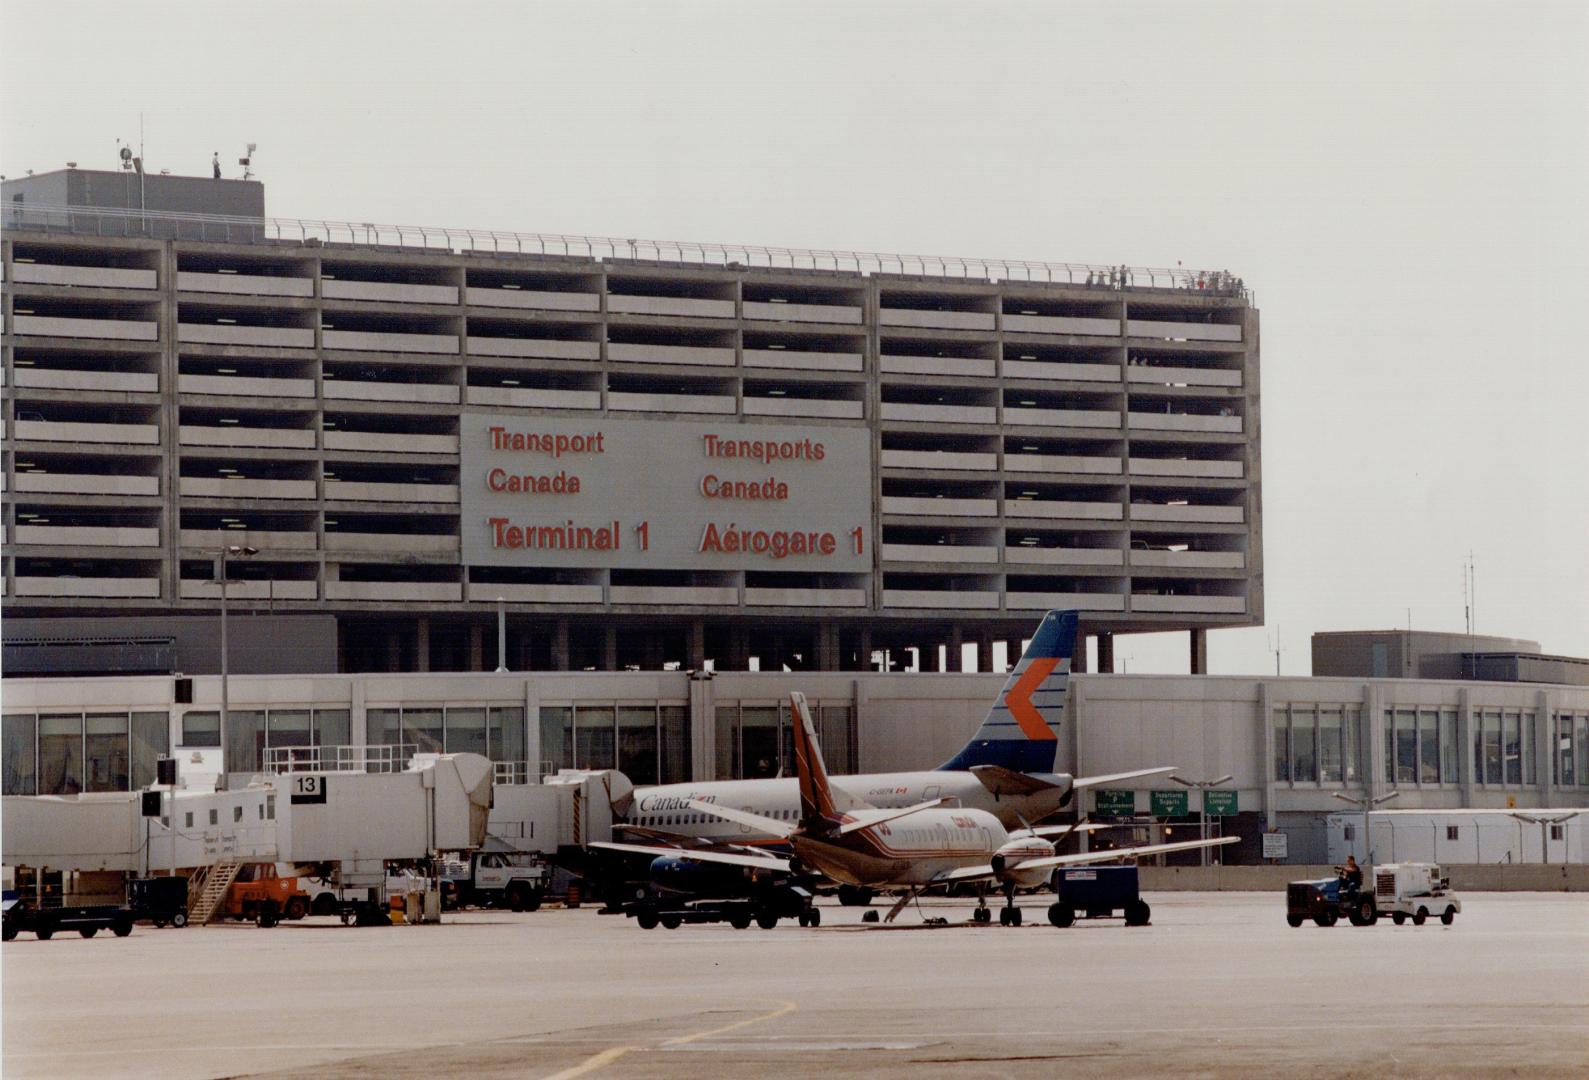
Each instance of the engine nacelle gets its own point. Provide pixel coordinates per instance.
(1021, 848)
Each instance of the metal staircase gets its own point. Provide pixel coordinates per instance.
(207, 888)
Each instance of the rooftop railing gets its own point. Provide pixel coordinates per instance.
(170, 225)
(383, 758)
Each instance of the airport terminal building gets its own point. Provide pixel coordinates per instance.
(649, 455)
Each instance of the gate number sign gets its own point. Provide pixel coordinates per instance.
(308, 789)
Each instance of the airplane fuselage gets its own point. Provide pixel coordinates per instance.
(667, 806)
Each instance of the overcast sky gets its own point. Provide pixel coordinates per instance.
(1403, 185)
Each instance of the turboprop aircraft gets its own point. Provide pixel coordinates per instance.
(910, 848)
(1006, 769)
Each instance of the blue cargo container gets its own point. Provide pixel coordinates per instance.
(1097, 892)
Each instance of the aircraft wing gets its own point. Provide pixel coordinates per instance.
(981, 873)
(755, 862)
(744, 817)
(1002, 781)
(1094, 781)
(865, 819)
(1066, 830)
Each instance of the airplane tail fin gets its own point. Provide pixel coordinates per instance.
(1019, 731)
(816, 798)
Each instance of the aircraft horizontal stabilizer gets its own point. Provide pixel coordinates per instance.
(1001, 781)
(768, 825)
(1094, 781)
(986, 873)
(755, 862)
(867, 818)
(1046, 831)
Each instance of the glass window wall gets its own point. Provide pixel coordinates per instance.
(151, 741)
(593, 737)
(637, 743)
(466, 731)
(759, 740)
(1492, 748)
(201, 729)
(1406, 747)
(1304, 748)
(727, 738)
(1351, 742)
(1428, 746)
(19, 754)
(1512, 747)
(245, 740)
(423, 728)
(838, 738)
(333, 727)
(61, 754)
(1282, 737)
(673, 731)
(1330, 744)
(1448, 747)
(556, 746)
(506, 736)
(107, 753)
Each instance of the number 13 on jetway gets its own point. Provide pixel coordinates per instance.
(308, 789)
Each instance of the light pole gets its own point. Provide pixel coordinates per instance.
(1202, 787)
(1367, 805)
(1543, 820)
(235, 551)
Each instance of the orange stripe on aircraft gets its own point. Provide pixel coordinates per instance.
(1019, 699)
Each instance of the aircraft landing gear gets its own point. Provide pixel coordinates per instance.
(982, 914)
(1009, 914)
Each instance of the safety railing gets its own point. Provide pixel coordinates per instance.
(517, 773)
(383, 758)
(165, 224)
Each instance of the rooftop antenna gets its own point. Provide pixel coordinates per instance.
(247, 161)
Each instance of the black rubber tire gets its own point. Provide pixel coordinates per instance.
(766, 919)
(9, 933)
(349, 917)
(515, 896)
(44, 933)
(1061, 915)
(532, 900)
(1004, 916)
(1325, 918)
(89, 931)
(1399, 917)
(324, 904)
(179, 920)
(159, 924)
(1367, 913)
(1448, 916)
(670, 922)
(1420, 916)
(982, 915)
(1138, 913)
(647, 919)
(122, 928)
(1293, 921)
(297, 907)
(816, 917)
(855, 896)
(739, 919)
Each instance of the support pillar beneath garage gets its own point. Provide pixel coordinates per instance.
(1078, 659)
(954, 653)
(1106, 654)
(422, 644)
(560, 646)
(609, 648)
(695, 645)
(477, 647)
(984, 654)
(1199, 652)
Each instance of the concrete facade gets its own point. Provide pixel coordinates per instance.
(1035, 444)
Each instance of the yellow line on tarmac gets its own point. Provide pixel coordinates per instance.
(590, 1064)
(611, 1054)
(786, 1007)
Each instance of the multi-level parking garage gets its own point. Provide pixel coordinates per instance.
(997, 439)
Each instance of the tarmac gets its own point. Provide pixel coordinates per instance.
(1217, 985)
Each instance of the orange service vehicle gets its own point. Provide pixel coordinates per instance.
(258, 888)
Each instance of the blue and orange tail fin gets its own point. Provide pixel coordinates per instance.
(816, 798)
(1020, 731)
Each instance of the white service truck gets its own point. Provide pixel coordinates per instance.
(1414, 890)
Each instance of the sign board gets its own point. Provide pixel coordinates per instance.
(1274, 845)
(556, 491)
(1112, 803)
(1219, 803)
(308, 789)
(1169, 804)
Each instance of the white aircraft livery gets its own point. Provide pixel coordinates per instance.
(1006, 769)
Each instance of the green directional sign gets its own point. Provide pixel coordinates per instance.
(1219, 804)
(1169, 804)
(1108, 803)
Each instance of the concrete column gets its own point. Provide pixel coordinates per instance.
(651, 652)
(1078, 659)
(477, 648)
(695, 645)
(422, 644)
(827, 647)
(954, 653)
(928, 654)
(1012, 652)
(609, 648)
(864, 662)
(738, 649)
(984, 653)
(1199, 643)
(560, 645)
(1106, 653)
(1267, 743)
(394, 650)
